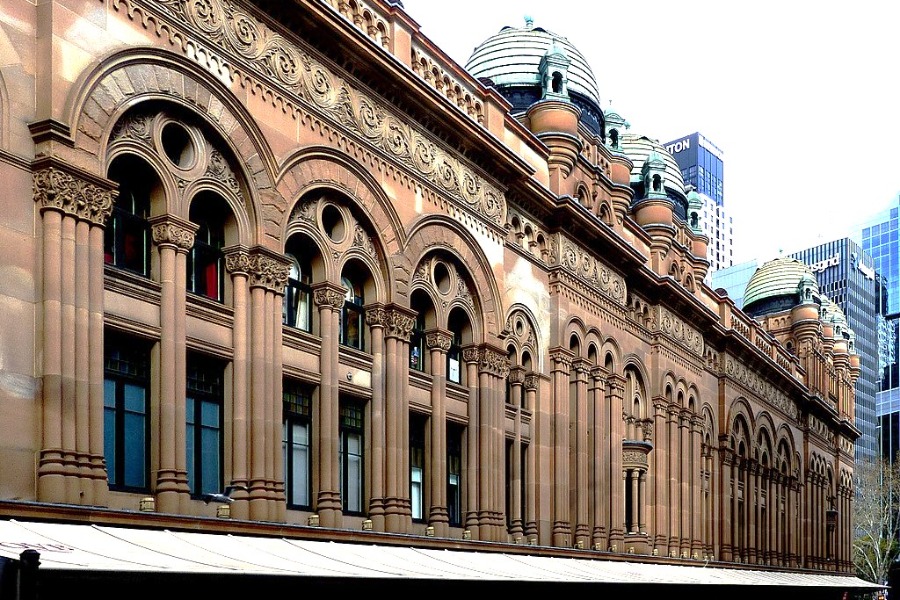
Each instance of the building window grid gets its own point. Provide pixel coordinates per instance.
(351, 457)
(205, 397)
(296, 447)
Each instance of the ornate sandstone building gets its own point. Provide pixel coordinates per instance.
(292, 249)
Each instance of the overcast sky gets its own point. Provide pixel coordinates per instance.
(801, 96)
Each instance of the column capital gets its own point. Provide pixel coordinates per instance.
(268, 269)
(561, 357)
(169, 230)
(517, 375)
(69, 190)
(396, 320)
(237, 259)
(471, 354)
(531, 381)
(616, 384)
(494, 361)
(329, 294)
(599, 373)
(438, 339)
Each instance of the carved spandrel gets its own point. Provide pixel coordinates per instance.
(58, 189)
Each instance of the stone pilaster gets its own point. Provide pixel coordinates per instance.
(438, 343)
(74, 207)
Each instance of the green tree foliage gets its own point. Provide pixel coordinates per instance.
(876, 517)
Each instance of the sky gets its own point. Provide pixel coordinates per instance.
(802, 96)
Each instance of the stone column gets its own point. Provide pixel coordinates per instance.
(660, 459)
(531, 530)
(516, 379)
(268, 273)
(599, 459)
(398, 512)
(751, 501)
(74, 206)
(438, 343)
(684, 500)
(562, 528)
(580, 446)
(674, 446)
(493, 368)
(174, 238)
(616, 393)
(726, 551)
(472, 356)
(376, 319)
(237, 263)
(696, 487)
(329, 299)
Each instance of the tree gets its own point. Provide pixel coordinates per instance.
(876, 517)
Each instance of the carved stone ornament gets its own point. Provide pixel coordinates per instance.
(517, 375)
(587, 268)
(471, 354)
(494, 362)
(438, 340)
(268, 272)
(399, 324)
(329, 296)
(531, 382)
(279, 62)
(58, 189)
(237, 261)
(173, 232)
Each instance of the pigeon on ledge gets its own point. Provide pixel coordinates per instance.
(225, 497)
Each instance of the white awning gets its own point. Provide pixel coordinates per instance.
(121, 549)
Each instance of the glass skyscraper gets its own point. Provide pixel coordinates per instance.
(702, 167)
(880, 240)
(847, 276)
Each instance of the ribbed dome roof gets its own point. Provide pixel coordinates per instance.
(778, 278)
(512, 57)
(638, 147)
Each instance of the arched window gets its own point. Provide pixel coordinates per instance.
(352, 314)
(417, 344)
(206, 260)
(127, 235)
(456, 323)
(297, 310)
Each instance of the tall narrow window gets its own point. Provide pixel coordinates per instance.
(126, 420)
(297, 311)
(454, 475)
(127, 235)
(351, 457)
(296, 415)
(417, 344)
(352, 315)
(206, 260)
(205, 397)
(417, 466)
(454, 354)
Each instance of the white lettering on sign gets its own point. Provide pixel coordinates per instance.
(679, 146)
(869, 272)
(831, 261)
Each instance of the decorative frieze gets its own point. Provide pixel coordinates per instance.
(275, 60)
(62, 188)
(673, 326)
(762, 388)
(581, 263)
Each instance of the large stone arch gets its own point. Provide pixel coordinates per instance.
(327, 168)
(438, 231)
(125, 78)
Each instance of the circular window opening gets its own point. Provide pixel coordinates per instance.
(520, 327)
(177, 144)
(333, 223)
(442, 277)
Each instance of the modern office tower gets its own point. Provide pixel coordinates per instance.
(734, 280)
(701, 166)
(846, 276)
(880, 240)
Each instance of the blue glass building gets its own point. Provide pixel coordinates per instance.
(846, 275)
(880, 240)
